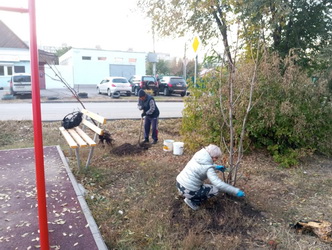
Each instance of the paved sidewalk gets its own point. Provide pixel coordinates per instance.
(64, 95)
(70, 223)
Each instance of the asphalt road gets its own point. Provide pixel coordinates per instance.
(110, 110)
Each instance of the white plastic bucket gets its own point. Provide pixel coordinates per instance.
(178, 148)
(168, 145)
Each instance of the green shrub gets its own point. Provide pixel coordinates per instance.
(201, 119)
(206, 113)
(291, 116)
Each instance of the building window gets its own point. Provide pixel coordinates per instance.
(86, 57)
(19, 69)
(9, 70)
(6, 69)
(102, 58)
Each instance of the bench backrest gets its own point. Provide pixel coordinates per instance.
(87, 116)
(77, 138)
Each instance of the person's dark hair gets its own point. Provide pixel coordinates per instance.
(141, 93)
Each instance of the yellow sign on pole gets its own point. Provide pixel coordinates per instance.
(195, 44)
(195, 47)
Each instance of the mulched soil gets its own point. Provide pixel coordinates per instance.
(19, 229)
(129, 149)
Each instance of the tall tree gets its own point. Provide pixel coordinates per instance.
(162, 68)
(304, 26)
(191, 69)
(232, 87)
(203, 18)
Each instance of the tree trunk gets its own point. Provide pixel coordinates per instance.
(221, 22)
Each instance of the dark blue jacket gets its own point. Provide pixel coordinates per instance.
(149, 107)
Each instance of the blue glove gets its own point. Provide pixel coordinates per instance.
(240, 194)
(220, 168)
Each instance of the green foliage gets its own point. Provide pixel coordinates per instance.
(210, 20)
(174, 67)
(304, 26)
(282, 26)
(162, 68)
(196, 128)
(289, 157)
(62, 51)
(206, 113)
(293, 116)
(290, 111)
(190, 68)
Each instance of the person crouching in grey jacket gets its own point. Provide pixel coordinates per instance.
(190, 181)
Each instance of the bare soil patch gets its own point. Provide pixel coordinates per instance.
(129, 149)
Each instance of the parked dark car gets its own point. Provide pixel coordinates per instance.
(143, 82)
(172, 85)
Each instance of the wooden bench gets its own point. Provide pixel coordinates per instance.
(77, 138)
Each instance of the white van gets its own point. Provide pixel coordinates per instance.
(20, 84)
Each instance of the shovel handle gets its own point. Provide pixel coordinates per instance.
(140, 131)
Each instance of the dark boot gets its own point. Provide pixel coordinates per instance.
(155, 142)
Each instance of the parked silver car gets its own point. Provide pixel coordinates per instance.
(20, 84)
(112, 85)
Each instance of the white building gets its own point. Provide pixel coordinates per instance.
(77, 67)
(15, 57)
(13, 61)
(90, 66)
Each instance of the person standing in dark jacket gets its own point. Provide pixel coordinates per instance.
(151, 113)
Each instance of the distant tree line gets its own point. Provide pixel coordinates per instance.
(174, 67)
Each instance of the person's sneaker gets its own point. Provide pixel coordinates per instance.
(191, 204)
(155, 142)
(145, 141)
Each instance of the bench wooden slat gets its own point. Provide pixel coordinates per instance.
(94, 116)
(93, 127)
(85, 137)
(77, 138)
(69, 139)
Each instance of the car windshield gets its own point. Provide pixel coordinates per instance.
(22, 79)
(177, 80)
(119, 80)
(150, 79)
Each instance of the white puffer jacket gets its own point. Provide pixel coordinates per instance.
(200, 168)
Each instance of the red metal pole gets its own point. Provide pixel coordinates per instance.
(38, 134)
(37, 124)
